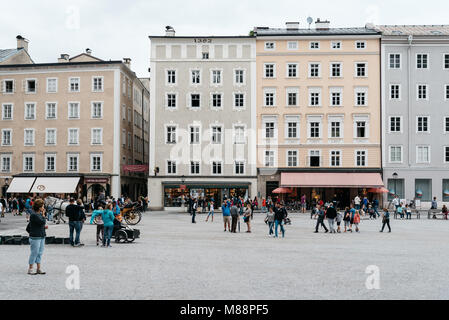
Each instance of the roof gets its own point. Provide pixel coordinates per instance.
(7, 53)
(59, 64)
(199, 37)
(416, 30)
(265, 31)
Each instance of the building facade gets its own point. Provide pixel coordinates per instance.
(415, 95)
(65, 119)
(318, 111)
(202, 118)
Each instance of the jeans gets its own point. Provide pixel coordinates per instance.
(270, 226)
(276, 224)
(107, 235)
(375, 210)
(331, 224)
(264, 209)
(193, 215)
(37, 248)
(75, 225)
(234, 221)
(357, 207)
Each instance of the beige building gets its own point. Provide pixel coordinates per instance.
(318, 110)
(73, 118)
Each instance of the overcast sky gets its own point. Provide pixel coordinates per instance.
(116, 29)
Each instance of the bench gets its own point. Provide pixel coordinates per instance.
(416, 213)
(435, 213)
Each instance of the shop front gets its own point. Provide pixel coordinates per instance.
(93, 186)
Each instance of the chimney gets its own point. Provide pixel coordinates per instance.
(88, 51)
(127, 62)
(169, 31)
(22, 43)
(292, 25)
(64, 58)
(322, 25)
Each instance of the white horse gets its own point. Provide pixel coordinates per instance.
(59, 206)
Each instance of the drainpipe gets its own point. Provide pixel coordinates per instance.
(410, 40)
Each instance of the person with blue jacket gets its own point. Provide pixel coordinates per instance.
(108, 223)
(226, 210)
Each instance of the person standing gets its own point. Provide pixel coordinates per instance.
(352, 213)
(108, 221)
(194, 208)
(339, 219)
(357, 220)
(303, 203)
(376, 207)
(320, 219)
(97, 217)
(331, 214)
(279, 215)
(72, 211)
(386, 220)
(269, 219)
(357, 202)
(36, 229)
(235, 217)
(226, 211)
(347, 218)
(264, 205)
(211, 211)
(28, 208)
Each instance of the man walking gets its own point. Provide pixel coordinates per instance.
(386, 220)
(235, 217)
(72, 211)
(331, 214)
(320, 219)
(279, 216)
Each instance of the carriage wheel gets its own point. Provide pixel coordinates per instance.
(133, 217)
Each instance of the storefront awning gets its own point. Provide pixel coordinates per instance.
(55, 185)
(21, 185)
(333, 179)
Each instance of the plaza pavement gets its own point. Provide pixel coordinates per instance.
(175, 259)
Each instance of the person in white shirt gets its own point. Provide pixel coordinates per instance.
(357, 202)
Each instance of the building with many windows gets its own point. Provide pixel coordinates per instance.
(318, 110)
(415, 107)
(64, 119)
(202, 117)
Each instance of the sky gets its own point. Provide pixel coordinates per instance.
(115, 29)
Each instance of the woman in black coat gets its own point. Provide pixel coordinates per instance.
(36, 229)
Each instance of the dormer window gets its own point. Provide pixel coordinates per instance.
(269, 46)
(205, 55)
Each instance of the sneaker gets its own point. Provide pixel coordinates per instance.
(40, 272)
(31, 272)
(315, 232)
(326, 231)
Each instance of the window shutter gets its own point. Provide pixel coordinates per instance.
(24, 85)
(36, 85)
(3, 88)
(14, 86)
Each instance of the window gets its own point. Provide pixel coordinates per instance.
(395, 61)
(360, 44)
(421, 93)
(50, 137)
(360, 158)
(446, 92)
(292, 97)
(360, 70)
(424, 186)
(130, 115)
(314, 45)
(171, 76)
(194, 167)
(195, 99)
(446, 61)
(360, 129)
(336, 69)
(314, 97)
(216, 134)
(314, 158)
(292, 45)
(270, 97)
(72, 162)
(239, 100)
(270, 46)
(74, 110)
(446, 154)
(171, 134)
(336, 45)
(239, 76)
(269, 70)
(171, 100)
(335, 158)
(123, 112)
(239, 167)
(216, 77)
(73, 136)
(422, 124)
(292, 130)
(97, 84)
(292, 70)
(396, 154)
(28, 137)
(239, 134)
(97, 110)
(361, 97)
(97, 136)
(335, 97)
(292, 158)
(50, 110)
(30, 111)
(269, 130)
(6, 137)
(422, 154)
(74, 84)
(314, 129)
(335, 129)
(194, 134)
(216, 100)
(395, 92)
(31, 86)
(28, 162)
(421, 61)
(446, 124)
(96, 160)
(216, 167)
(205, 55)
(195, 77)
(50, 162)
(171, 167)
(5, 163)
(8, 86)
(52, 85)
(7, 111)
(314, 70)
(395, 124)
(269, 158)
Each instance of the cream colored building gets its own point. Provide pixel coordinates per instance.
(318, 110)
(66, 119)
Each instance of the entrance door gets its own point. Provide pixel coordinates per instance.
(270, 186)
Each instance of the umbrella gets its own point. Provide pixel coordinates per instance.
(282, 190)
(378, 190)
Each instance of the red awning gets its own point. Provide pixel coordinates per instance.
(282, 190)
(334, 179)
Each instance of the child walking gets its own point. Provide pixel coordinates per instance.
(357, 221)
(211, 211)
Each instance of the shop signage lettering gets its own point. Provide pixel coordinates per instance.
(96, 180)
